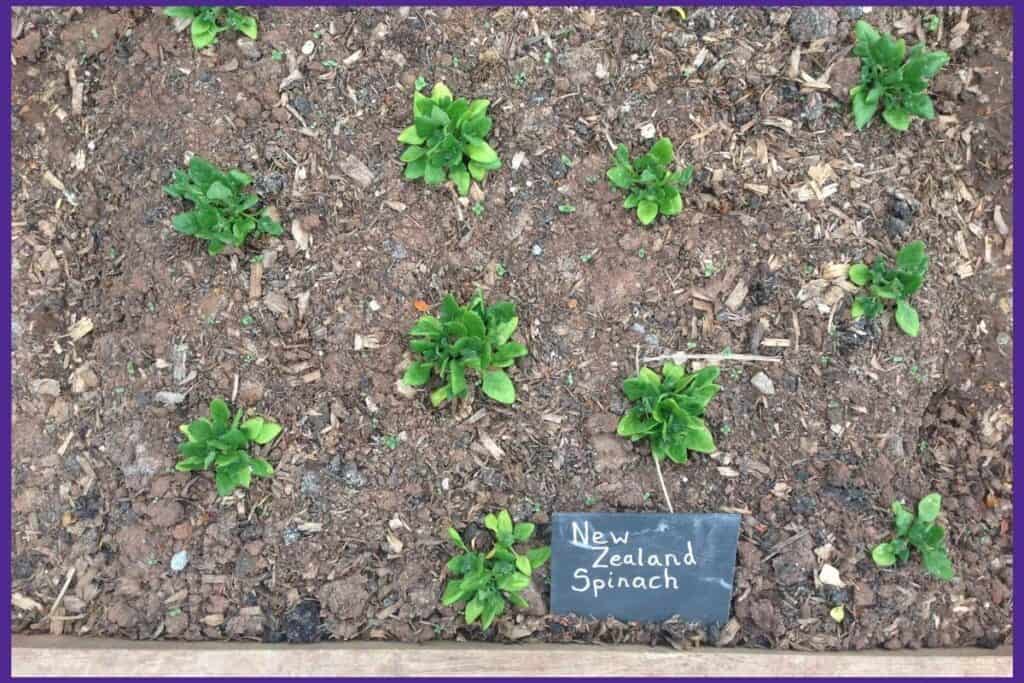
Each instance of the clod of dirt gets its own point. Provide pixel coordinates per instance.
(813, 23)
(762, 290)
(845, 74)
(855, 334)
(763, 383)
(249, 49)
(302, 623)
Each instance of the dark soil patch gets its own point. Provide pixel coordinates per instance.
(859, 417)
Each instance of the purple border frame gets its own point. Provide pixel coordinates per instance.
(5, 247)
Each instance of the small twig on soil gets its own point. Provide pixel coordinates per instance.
(683, 357)
(784, 544)
(664, 489)
(63, 590)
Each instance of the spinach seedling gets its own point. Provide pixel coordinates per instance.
(489, 581)
(223, 443)
(207, 22)
(448, 139)
(884, 283)
(222, 213)
(652, 188)
(892, 79)
(471, 337)
(668, 410)
(921, 532)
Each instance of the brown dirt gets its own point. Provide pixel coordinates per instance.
(856, 420)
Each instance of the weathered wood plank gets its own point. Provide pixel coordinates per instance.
(69, 656)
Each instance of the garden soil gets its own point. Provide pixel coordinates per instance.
(123, 329)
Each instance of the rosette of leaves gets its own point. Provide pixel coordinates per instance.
(471, 337)
(487, 582)
(891, 284)
(222, 214)
(448, 139)
(891, 79)
(651, 187)
(668, 410)
(223, 443)
(920, 532)
(207, 22)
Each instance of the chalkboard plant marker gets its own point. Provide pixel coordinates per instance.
(668, 412)
(489, 581)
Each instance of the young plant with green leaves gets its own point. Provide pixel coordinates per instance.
(222, 213)
(668, 410)
(207, 22)
(448, 139)
(918, 531)
(471, 337)
(651, 186)
(487, 582)
(891, 79)
(891, 284)
(223, 443)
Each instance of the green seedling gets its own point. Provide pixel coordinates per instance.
(488, 582)
(471, 337)
(222, 214)
(884, 283)
(652, 188)
(448, 139)
(223, 443)
(207, 22)
(668, 410)
(918, 531)
(891, 79)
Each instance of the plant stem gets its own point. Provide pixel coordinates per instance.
(664, 489)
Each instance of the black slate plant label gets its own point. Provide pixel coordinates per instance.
(644, 567)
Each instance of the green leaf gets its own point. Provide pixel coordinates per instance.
(538, 556)
(199, 430)
(481, 152)
(228, 479)
(439, 396)
(261, 468)
(180, 12)
(662, 151)
(409, 136)
(458, 379)
(460, 176)
(418, 374)
(699, 439)
(453, 592)
(474, 608)
(937, 563)
(929, 506)
(491, 522)
(505, 522)
(897, 118)
(523, 531)
(247, 26)
(632, 425)
(620, 177)
(647, 211)
(523, 564)
(919, 104)
(906, 318)
(203, 35)
(933, 62)
(457, 539)
(902, 518)
(514, 582)
(499, 387)
(268, 432)
(912, 258)
(883, 555)
(865, 33)
(440, 92)
(863, 110)
(859, 274)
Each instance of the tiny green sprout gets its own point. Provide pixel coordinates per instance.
(478, 209)
(500, 270)
(206, 22)
(391, 441)
(932, 23)
(471, 337)
(420, 84)
(448, 140)
(641, 252)
(587, 258)
(520, 79)
(566, 161)
(223, 442)
(248, 320)
(887, 284)
(330, 64)
(566, 208)
(918, 531)
(650, 186)
(590, 501)
(487, 582)
(709, 268)
(668, 410)
(547, 57)
(892, 79)
(277, 55)
(222, 214)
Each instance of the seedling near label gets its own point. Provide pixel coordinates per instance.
(890, 83)
(652, 188)
(488, 582)
(887, 284)
(448, 140)
(222, 443)
(207, 22)
(918, 531)
(222, 214)
(471, 337)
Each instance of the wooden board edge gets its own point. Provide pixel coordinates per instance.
(69, 655)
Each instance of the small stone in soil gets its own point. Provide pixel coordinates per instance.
(537, 250)
(302, 623)
(179, 560)
(302, 105)
(763, 383)
(895, 226)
